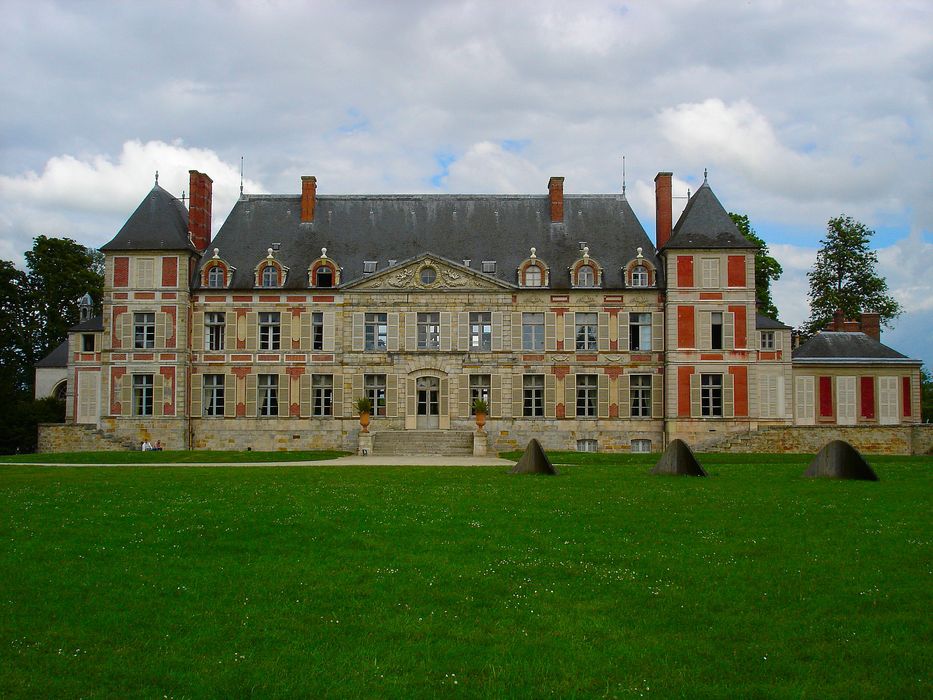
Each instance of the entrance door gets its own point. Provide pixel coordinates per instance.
(428, 403)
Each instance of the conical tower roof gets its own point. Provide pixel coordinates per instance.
(534, 461)
(705, 223)
(160, 222)
(678, 460)
(839, 460)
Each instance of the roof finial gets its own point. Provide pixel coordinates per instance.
(705, 173)
(623, 174)
(241, 176)
(216, 254)
(534, 252)
(157, 177)
(270, 255)
(182, 196)
(324, 253)
(638, 250)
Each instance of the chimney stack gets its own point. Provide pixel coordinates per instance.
(200, 192)
(555, 190)
(871, 325)
(839, 319)
(308, 197)
(663, 215)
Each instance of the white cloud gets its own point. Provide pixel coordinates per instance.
(488, 167)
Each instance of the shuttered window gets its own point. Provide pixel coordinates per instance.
(376, 331)
(532, 331)
(587, 395)
(270, 330)
(711, 395)
(533, 395)
(639, 331)
(142, 394)
(213, 402)
(268, 398)
(374, 388)
(322, 395)
(640, 395)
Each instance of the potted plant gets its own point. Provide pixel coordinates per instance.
(481, 409)
(364, 407)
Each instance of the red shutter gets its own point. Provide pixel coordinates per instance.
(739, 328)
(683, 391)
(740, 389)
(736, 270)
(906, 397)
(121, 272)
(868, 397)
(169, 272)
(826, 397)
(684, 270)
(685, 332)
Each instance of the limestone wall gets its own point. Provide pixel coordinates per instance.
(889, 439)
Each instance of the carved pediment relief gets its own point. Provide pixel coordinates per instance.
(429, 273)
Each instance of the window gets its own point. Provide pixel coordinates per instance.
(317, 330)
(144, 331)
(369, 266)
(767, 340)
(586, 328)
(587, 445)
(144, 273)
(268, 395)
(322, 395)
(325, 276)
(533, 276)
(639, 276)
(479, 389)
(715, 334)
(213, 394)
(710, 271)
(711, 395)
(214, 322)
(489, 267)
(428, 275)
(641, 445)
(429, 331)
(374, 387)
(533, 395)
(532, 331)
(640, 395)
(87, 342)
(142, 394)
(215, 277)
(586, 395)
(376, 331)
(270, 276)
(481, 331)
(639, 331)
(269, 330)
(586, 277)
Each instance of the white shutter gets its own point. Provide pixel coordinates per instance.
(305, 330)
(845, 400)
(495, 395)
(229, 395)
(603, 331)
(657, 396)
(330, 331)
(359, 330)
(728, 330)
(887, 400)
(463, 335)
(197, 331)
(703, 331)
(570, 344)
(624, 343)
(602, 402)
(498, 332)
(252, 395)
(550, 331)
(393, 331)
(550, 396)
(695, 408)
(391, 396)
(283, 395)
(728, 396)
(516, 332)
(197, 392)
(657, 331)
(804, 400)
(339, 411)
(463, 394)
(570, 396)
(304, 395)
(411, 331)
(518, 396)
(446, 331)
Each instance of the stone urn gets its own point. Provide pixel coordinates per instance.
(364, 408)
(480, 409)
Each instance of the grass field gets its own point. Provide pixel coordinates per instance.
(419, 582)
(133, 457)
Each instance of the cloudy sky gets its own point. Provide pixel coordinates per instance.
(800, 111)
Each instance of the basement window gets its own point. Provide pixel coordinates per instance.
(587, 445)
(641, 445)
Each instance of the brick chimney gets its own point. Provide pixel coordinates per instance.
(308, 197)
(871, 325)
(838, 322)
(200, 192)
(555, 190)
(663, 215)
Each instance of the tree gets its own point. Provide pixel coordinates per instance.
(926, 395)
(843, 277)
(767, 269)
(17, 352)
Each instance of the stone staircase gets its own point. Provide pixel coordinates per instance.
(423, 442)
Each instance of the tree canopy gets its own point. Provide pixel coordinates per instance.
(767, 269)
(844, 277)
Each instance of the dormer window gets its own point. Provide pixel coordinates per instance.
(532, 276)
(533, 272)
(586, 273)
(639, 276)
(489, 267)
(270, 276)
(215, 277)
(586, 277)
(325, 277)
(325, 273)
(369, 267)
(270, 273)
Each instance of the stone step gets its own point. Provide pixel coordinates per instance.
(415, 442)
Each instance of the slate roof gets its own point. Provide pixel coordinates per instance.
(160, 222)
(763, 322)
(704, 223)
(92, 324)
(503, 228)
(837, 346)
(57, 358)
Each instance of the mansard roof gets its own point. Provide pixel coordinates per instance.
(160, 222)
(704, 223)
(380, 228)
(838, 346)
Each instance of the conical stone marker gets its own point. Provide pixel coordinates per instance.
(678, 460)
(839, 460)
(534, 461)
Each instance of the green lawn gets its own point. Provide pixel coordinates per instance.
(176, 456)
(423, 582)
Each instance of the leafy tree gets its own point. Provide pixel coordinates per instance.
(926, 395)
(843, 277)
(17, 324)
(767, 269)
(61, 271)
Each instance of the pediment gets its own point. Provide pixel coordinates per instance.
(416, 275)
